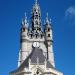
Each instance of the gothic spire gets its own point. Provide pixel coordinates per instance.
(47, 21)
(24, 21)
(36, 17)
(50, 20)
(36, 1)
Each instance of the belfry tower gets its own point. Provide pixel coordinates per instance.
(36, 55)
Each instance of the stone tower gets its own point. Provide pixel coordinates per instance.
(36, 55)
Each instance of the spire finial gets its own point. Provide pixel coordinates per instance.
(25, 15)
(47, 14)
(50, 20)
(25, 18)
(47, 18)
(36, 1)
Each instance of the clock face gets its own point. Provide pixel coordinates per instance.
(36, 44)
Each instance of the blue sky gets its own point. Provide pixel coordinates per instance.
(62, 13)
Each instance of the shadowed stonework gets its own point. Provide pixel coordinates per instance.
(36, 56)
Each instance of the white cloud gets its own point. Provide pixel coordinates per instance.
(70, 15)
(70, 11)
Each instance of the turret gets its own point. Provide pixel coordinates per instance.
(23, 50)
(49, 40)
(48, 31)
(24, 29)
(36, 19)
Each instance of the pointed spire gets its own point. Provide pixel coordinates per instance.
(24, 21)
(47, 14)
(25, 18)
(25, 15)
(36, 1)
(50, 21)
(47, 18)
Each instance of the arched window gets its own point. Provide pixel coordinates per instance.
(48, 29)
(48, 35)
(23, 29)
